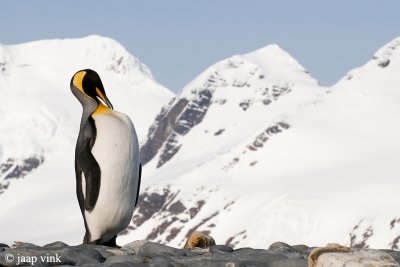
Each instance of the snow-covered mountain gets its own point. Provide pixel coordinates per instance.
(40, 122)
(254, 151)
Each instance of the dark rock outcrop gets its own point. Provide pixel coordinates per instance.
(17, 169)
(360, 235)
(266, 134)
(163, 126)
(175, 120)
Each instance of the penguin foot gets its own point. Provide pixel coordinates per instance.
(96, 242)
(86, 238)
(112, 242)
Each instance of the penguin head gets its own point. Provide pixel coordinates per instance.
(86, 85)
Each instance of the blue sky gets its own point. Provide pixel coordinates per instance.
(178, 39)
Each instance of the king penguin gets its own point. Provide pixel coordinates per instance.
(107, 162)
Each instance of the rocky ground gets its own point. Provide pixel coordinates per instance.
(145, 253)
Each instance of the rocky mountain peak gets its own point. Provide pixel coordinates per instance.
(40, 116)
(236, 83)
(96, 52)
(387, 53)
(383, 65)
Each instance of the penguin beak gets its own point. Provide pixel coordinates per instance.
(104, 98)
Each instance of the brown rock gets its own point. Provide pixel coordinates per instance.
(199, 240)
(334, 256)
(315, 253)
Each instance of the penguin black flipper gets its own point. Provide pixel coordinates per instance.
(81, 200)
(87, 167)
(139, 182)
(79, 192)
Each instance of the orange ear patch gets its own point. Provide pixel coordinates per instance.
(78, 78)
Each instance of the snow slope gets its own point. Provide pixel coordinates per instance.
(253, 151)
(40, 121)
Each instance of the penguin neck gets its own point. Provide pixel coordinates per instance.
(89, 107)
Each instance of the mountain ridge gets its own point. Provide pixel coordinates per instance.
(239, 153)
(289, 136)
(40, 124)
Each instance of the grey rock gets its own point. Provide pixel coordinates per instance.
(4, 245)
(289, 251)
(24, 245)
(242, 257)
(134, 246)
(57, 244)
(151, 249)
(223, 263)
(160, 262)
(82, 255)
(131, 259)
(395, 254)
(93, 254)
(205, 263)
(124, 264)
(298, 262)
(107, 252)
(260, 256)
(253, 264)
(197, 251)
(119, 252)
(281, 247)
(246, 251)
(221, 248)
(301, 249)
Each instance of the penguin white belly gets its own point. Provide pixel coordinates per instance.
(116, 150)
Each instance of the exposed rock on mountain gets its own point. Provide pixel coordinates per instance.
(280, 152)
(251, 151)
(40, 123)
(17, 170)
